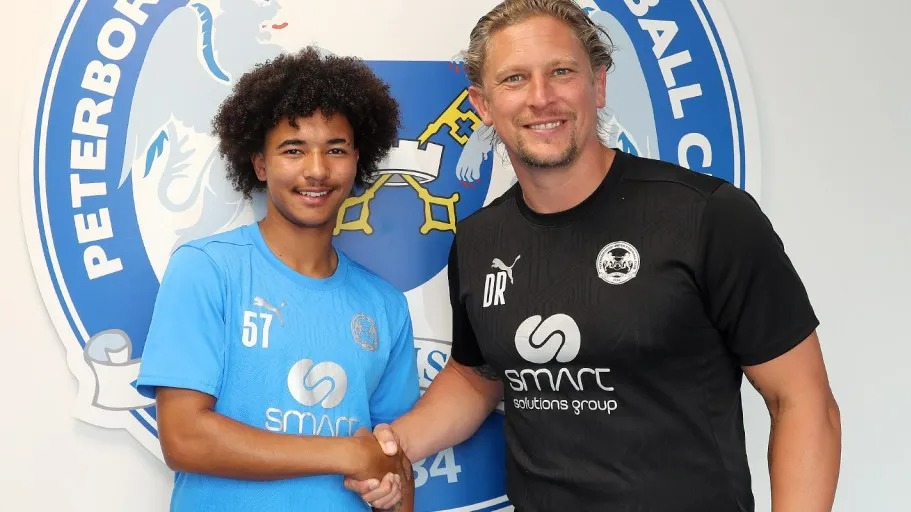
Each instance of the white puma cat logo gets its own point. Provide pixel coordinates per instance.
(499, 265)
(495, 283)
(277, 311)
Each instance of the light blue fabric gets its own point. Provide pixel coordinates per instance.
(279, 351)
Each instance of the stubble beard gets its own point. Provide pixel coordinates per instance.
(565, 158)
(562, 160)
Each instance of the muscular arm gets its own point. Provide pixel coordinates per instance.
(194, 438)
(454, 406)
(805, 438)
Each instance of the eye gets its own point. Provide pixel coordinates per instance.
(511, 79)
(293, 151)
(337, 151)
(562, 71)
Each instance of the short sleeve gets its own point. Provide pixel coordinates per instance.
(752, 292)
(465, 349)
(185, 345)
(398, 388)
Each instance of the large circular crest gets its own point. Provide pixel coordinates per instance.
(122, 168)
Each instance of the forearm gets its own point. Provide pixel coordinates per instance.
(804, 457)
(451, 410)
(216, 445)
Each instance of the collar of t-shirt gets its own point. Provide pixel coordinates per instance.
(328, 283)
(607, 186)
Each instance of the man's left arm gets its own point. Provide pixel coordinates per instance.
(760, 306)
(805, 437)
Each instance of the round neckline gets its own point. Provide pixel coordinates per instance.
(327, 283)
(568, 216)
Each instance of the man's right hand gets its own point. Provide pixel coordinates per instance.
(387, 438)
(369, 460)
(386, 492)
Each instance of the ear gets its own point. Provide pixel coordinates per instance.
(601, 86)
(479, 101)
(259, 165)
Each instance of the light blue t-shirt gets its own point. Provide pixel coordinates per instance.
(281, 352)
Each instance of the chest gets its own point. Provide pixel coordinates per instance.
(602, 293)
(278, 333)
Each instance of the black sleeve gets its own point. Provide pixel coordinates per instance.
(752, 292)
(465, 349)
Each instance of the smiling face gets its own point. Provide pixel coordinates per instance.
(309, 170)
(539, 92)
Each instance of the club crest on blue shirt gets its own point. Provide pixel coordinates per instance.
(363, 329)
(122, 169)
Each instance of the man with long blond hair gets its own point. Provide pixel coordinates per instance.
(644, 293)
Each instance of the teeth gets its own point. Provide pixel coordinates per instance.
(546, 126)
(313, 194)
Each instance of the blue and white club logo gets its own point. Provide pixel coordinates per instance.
(120, 168)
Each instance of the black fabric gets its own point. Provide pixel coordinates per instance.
(752, 292)
(623, 386)
(466, 350)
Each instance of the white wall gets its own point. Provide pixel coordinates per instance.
(831, 84)
(48, 459)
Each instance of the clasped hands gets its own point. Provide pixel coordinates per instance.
(383, 473)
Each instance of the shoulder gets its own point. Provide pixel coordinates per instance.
(690, 200)
(734, 214)
(222, 249)
(378, 295)
(223, 242)
(490, 217)
(658, 176)
(371, 285)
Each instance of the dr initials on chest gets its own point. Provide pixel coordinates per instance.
(495, 283)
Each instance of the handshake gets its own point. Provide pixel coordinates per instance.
(378, 455)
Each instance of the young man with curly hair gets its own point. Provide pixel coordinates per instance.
(270, 352)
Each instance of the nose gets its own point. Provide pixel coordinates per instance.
(316, 166)
(540, 91)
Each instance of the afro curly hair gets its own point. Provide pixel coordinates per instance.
(292, 86)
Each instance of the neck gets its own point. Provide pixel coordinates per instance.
(306, 250)
(557, 189)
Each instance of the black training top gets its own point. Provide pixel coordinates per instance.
(619, 328)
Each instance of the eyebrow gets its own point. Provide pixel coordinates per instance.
(559, 61)
(300, 142)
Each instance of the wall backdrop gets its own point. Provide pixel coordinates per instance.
(111, 109)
